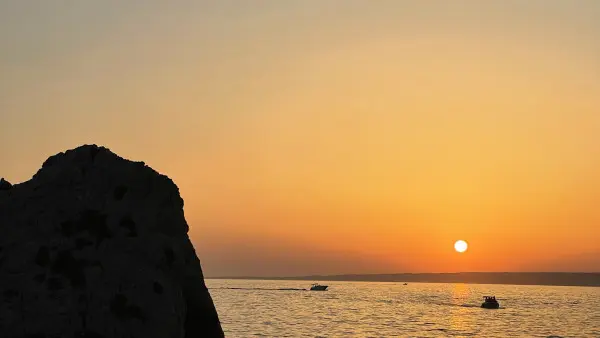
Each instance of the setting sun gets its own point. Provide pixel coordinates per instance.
(460, 246)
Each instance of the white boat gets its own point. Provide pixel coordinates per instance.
(318, 287)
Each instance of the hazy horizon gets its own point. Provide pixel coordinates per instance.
(291, 277)
(588, 279)
(333, 136)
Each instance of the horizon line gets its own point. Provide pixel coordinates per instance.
(587, 279)
(407, 273)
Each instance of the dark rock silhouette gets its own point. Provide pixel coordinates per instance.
(96, 246)
(4, 184)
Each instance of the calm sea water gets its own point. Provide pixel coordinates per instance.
(365, 309)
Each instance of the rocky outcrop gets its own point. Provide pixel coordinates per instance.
(96, 246)
(4, 184)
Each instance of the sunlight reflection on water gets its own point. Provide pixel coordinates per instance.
(361, 309)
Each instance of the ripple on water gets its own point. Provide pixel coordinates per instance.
(390, 309)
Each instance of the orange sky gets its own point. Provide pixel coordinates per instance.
(329, 136)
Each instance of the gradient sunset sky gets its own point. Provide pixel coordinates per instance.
(324, 136)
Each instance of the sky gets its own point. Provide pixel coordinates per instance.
(329, 136)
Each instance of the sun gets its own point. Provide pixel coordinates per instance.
(460, 246)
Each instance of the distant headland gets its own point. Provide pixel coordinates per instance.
(510, 278)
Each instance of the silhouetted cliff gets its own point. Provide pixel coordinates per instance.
(96, 246)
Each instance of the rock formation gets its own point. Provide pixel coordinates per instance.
(5, 185)
(96, 246)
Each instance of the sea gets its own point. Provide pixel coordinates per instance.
(275, 308)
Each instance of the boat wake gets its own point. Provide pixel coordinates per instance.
(460, 305)
(264, 289)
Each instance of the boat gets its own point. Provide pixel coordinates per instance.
(405, 284)
(490, 302)
(318, 287)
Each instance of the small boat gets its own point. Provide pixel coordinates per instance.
(318, 287)
(405, 284)
(490, 302)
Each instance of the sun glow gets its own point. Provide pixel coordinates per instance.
(460, 246)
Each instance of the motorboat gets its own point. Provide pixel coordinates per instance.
(318, 287)
(490, 302)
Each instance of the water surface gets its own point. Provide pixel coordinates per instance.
(250, 308)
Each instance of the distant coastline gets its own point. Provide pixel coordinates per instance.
(509, 278)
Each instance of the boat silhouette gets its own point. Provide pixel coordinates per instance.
(318, 287)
